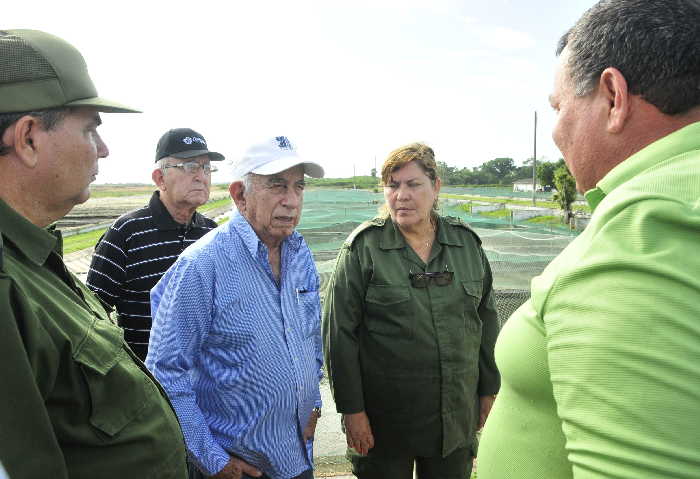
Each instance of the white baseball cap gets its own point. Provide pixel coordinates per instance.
(272, 156)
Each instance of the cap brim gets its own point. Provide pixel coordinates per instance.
(103, 105)
(213, 156)
(314, 170)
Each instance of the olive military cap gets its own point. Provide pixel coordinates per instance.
(39, 71)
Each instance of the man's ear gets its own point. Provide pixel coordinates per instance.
(613, 87)
(23, 137)
(159, 179)
(237, 190)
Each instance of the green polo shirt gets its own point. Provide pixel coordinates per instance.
(601, 368)
(74, 400)
(414, 359)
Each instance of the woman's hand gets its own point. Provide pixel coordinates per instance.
(358, 432)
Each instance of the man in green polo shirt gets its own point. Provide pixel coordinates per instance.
(74, 401)
(601, 367)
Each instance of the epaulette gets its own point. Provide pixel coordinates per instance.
(454, 221)
(377, 222)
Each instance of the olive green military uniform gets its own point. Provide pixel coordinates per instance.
(74, 400)
(415, 360)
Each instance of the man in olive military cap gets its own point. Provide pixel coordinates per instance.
(74, 400)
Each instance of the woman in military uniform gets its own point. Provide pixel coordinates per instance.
(409, 328)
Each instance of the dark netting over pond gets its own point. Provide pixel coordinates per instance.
(516, 250)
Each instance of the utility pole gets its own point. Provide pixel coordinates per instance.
(534, 164)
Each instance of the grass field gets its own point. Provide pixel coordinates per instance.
(118, 191)
(540, 203)
(546, 220)
(81, 241)
(499, 214)
(214, 204)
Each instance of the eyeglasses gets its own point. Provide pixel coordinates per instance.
(423, 280)
(193, 167)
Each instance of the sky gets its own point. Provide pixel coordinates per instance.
(346, 82)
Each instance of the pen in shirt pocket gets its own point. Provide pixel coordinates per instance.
(301, 291)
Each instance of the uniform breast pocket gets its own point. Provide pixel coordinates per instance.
(310, 311)
(472, 299)
(119, 390)
(388, 310)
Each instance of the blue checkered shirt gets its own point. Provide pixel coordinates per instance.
(239, 356)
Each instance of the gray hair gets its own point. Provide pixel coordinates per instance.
(655, 44)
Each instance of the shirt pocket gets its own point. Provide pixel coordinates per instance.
(472, 300)
(119, 389)
(310, 312)
(388, 310)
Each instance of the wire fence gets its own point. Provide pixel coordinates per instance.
(517, 250)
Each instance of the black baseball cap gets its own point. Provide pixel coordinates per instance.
(184, 143)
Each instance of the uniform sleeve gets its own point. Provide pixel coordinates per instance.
(181, 305)
(28, 446)
(342, 315)
(489, 377)
(623, 343)
(108, 267)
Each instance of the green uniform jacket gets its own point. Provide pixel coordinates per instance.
(74, 400)
(415, 360)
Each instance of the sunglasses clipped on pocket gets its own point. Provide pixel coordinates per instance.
(423, 280)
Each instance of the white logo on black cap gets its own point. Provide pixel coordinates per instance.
(188, 140)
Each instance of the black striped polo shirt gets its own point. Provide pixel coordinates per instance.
(132, 256)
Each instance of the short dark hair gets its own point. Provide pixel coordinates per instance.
(655, 44)
(49, 120)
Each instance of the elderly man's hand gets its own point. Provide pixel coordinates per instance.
(310, 428)
(485, 405)
(358, 432)
(236, 468)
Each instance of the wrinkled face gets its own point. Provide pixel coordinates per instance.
(410, 195)
(186, 190)
(73, 147)
(575, 132)
(273, 204)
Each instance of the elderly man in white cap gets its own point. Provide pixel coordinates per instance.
(236, 338)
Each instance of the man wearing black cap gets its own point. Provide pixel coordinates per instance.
(141, 245)
(75, 402)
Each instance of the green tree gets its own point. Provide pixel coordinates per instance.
(501, 169)
(373, 172)
(545, 173)
(446, 173)
(566, 190)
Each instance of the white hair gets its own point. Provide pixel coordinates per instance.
(161, 164)
(248, 180)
